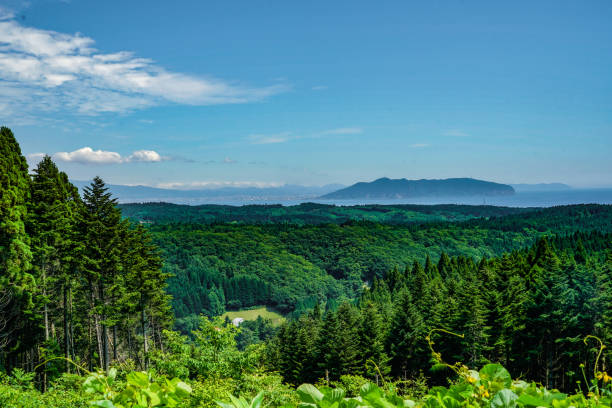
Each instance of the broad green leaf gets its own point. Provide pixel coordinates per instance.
(183, 390)
(153, 397)
(496, 374)
(103, 404)
(334, 395)
(256, 402)
(532, 401)
(138, 378)
(309, 393)
(504, 399)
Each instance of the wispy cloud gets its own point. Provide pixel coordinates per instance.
(272, 138)
(319, 88)
(44, 71)
(217, 184)
(227, 160)
(340, 131)
(6, 14)
(455, 133)
(87, 155)
(288, 136)
(419, 145)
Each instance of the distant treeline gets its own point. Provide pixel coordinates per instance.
(310, 213)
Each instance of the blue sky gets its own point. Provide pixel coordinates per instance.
(202, 93)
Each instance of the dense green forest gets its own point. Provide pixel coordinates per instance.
(99, 310)
(293, 267)
(309, 213)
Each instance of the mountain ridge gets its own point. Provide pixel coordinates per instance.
(386, 188)
(140, 193)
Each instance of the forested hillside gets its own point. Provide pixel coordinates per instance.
(309, 213)
(292, 267)
(528, 309)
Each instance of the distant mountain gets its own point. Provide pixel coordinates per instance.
(385, 188)
(540, 187)
(238, 195)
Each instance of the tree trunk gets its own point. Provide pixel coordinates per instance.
(66, 330)
(115, 342)
(129, 342)
(46, 317)
(96, 324)
(104, 327)
(143, 322)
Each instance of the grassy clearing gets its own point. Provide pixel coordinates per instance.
(251, 314)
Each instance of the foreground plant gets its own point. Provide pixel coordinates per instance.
(140, 390)
(491, 387)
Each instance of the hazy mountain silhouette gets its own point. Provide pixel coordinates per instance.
(402, 188)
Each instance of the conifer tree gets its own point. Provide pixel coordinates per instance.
(338, 343)
(144, 282)
(100, 222)
(372, 336)
(50, 225)
(405, 343)
(16, 283)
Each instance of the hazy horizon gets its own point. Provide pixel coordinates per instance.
(217, 185)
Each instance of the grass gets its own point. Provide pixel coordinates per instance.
(252, 313)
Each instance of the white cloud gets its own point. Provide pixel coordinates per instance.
(419, 145)
(319, 88)
(217, 184)
(288, 136)
(46, 71)
(87, 155)
(227, 160)
(144, 156)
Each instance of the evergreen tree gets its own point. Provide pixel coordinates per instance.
(16, 283)
(338, 346)
(100, 222)
(144, 283)
(50, 224)
(405, 342)
(372, 336)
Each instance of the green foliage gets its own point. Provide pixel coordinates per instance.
(243, 403)
(291, 267)
(139, 390)
(310, 213)
(370, 395)
(21, 379)
(491, 387)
